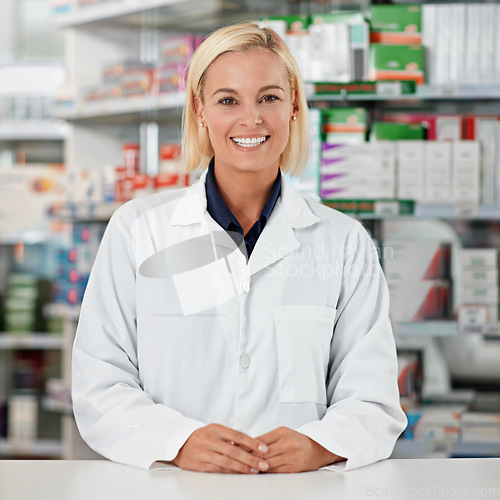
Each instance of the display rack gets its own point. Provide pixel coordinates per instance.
(116, 30)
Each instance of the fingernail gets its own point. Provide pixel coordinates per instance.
(263, 466)
(263, 448)
(254, 471)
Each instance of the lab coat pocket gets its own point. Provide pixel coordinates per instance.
(303, 335)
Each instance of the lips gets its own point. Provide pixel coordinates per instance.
(250, 142)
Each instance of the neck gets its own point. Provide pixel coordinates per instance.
(245, 193)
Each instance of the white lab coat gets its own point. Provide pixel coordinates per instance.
(177, 330)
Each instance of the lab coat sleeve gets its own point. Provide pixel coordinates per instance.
(364, 416)
(114, 415)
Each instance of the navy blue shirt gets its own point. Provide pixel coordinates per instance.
(220, 212)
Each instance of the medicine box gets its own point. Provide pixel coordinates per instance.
(395, 24)
(416, 260)
(479, 258)
(397, 62)
(414, 301)
(381, 131)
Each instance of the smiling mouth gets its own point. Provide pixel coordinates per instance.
(247, 142)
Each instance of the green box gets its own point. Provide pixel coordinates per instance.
(344, 124)
(382, 131)
(397, 62)
(396, 24)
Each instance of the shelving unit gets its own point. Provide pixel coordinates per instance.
(36, 341)
(100, 33)
(42, 448)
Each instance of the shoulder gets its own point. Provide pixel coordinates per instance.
(135, 209)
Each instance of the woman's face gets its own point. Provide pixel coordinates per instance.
(247, 110)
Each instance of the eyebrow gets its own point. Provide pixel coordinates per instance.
(232, 91)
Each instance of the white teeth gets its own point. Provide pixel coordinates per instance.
(248, 142)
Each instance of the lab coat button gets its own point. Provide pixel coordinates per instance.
(244, 361)
(246, 286)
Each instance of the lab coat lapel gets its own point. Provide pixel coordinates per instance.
(278, 238)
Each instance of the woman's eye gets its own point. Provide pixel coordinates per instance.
(270, 98)
(227, 101)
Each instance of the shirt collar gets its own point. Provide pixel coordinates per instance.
(220, 212)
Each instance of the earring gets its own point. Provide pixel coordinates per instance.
(294, 117)
(202, 124)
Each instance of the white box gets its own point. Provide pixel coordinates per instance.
(479, 295)
(443, 44)
(480, 427)
(414, 301)
(479, 276)
(429, 40)
(479, 257)
(438, 172)
(465, 171)
(416, 260)
(22, 417)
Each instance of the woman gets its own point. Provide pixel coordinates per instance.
(234, 326)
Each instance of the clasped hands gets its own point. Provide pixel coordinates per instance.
(216, 448)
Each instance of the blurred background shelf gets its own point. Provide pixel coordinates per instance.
(32, 341)
(41, 448)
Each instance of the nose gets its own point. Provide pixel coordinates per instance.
(250, 116)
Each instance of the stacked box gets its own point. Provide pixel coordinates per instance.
(21, 303)
(175, 52)
(409, 374)
(344, 125)
(308, 182)
(293, 30)
(395, 24)
(386, 131)
(411, 159)
(478, 427)
(347, 36)
(486, 130)
(479, 280)
(418, 276)
(74, 263)
(397, 62)
(439, 424)
(358, 171)
(466, 171)
(437, 174)
(437, 127)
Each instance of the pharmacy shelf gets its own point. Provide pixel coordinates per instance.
(130, 108)
(38, 341)
(60, 310)
(107, 11)
(163, 13)
(406, 448)
(440, 328)
(133, 107)
(84, 212)
(33, 130)
(424, 92)
(40, 448)
(433, 211)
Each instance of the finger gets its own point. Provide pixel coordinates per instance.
(278, 461)
(243, 440)
(270, 437)
(228, 463)
(235, 452)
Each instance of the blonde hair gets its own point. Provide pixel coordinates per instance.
(197, 149)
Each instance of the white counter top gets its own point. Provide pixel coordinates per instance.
(393, 479)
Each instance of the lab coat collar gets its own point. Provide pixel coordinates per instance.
(278, 237)
(193, 206)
